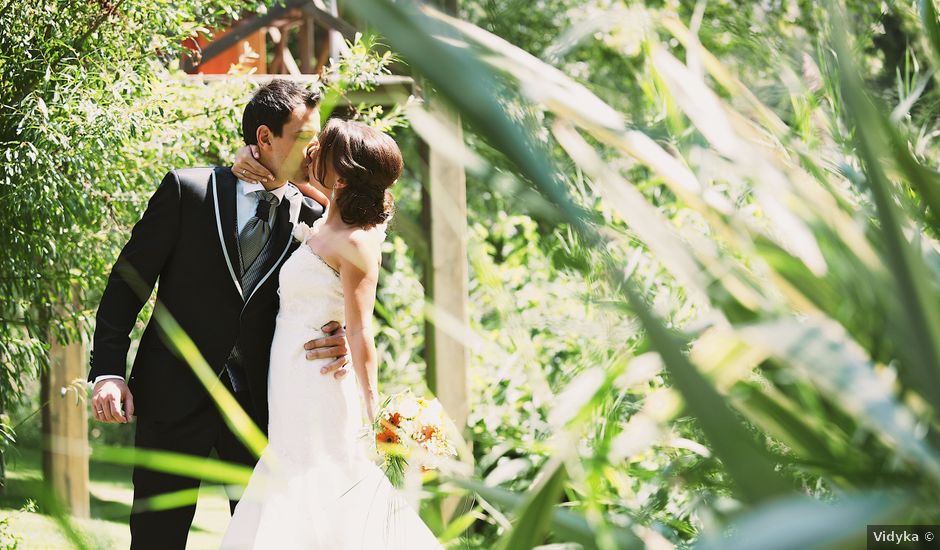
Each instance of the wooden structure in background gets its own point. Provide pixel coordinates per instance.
(250, 51)
(305, 16)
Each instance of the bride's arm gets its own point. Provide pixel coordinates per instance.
(359, 274)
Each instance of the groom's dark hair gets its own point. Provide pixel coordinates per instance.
(272, 105)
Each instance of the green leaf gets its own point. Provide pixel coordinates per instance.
(567, 525)
(535, 518)
(205, 469)
(754, 476)
(458, 525)
(822, 352)
(928, 16)
(433, 47)
(767, 409)
(917, 322)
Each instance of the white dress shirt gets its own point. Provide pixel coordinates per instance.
(246, 202)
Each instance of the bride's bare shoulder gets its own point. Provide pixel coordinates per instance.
(365, 248)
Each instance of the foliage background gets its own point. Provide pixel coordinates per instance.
(93, 117)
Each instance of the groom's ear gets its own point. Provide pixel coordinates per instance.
(264, 135)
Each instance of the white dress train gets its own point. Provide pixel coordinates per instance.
(315, 486)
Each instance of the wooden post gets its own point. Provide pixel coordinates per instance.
(65, 428)
(446, 286)
(446, 280)
(446, 277)
(305, 45)
(444, 216)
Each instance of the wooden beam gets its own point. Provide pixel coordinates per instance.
(65, 427)
(389, 89)
(322, 14)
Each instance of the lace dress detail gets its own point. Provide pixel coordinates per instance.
(316, 485)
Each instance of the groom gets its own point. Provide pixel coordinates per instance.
(216, 244)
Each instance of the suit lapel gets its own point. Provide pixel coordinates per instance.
(226, 212)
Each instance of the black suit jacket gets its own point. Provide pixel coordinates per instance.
(187, 239)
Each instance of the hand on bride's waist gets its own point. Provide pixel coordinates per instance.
(331, 346)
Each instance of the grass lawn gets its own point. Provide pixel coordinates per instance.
(111, 495)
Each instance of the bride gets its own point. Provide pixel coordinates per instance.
(315, 486)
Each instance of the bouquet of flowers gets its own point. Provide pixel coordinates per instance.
(405, 423)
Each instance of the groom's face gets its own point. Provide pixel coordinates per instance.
(286, 152)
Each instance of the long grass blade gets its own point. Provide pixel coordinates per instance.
(567, 524)
(753, 475)
(918, 321)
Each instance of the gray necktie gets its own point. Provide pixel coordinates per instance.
(256, 232)
(251, 243)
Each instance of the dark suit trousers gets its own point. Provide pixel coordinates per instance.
(196, 434)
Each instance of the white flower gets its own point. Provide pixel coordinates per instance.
(408, 407)
(432, 414)
(301, 231)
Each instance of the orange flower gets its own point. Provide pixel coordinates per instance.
(387, 436)
(390, 424)
(427, 432)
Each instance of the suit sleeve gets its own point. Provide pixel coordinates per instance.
(133, 278)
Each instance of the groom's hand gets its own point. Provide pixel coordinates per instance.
(107, 398)
(333, 345)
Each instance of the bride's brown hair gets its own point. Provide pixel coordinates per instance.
(368, 161)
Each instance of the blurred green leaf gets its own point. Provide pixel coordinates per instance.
(918, 323)
(175, 463)
(799, 522)
(568, 525)
(535, 514)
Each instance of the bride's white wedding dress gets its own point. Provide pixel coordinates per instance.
(315, 486)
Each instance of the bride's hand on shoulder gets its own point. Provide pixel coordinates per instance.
(248, 168)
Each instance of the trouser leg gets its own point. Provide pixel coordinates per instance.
(167, 526)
